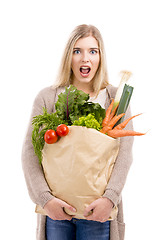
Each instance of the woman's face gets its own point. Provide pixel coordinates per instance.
(85, 60)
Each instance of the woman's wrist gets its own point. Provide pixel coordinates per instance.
(44, 198)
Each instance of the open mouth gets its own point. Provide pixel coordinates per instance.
(85, 70)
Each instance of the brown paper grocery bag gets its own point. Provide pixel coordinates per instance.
(78, 167)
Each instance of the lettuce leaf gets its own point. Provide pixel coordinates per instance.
(89, 121)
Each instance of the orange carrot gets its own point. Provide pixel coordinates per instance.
(123, 124)
(108, 111)
(123, 133)
(111, 124)
(113, 112)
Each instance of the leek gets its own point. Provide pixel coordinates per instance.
(124, 101)
(125, 77)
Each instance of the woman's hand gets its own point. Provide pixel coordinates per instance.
(101, 210)
(54, 209)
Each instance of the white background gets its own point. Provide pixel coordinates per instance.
(33, 36)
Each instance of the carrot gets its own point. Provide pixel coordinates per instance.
(114, 133)
(111, 124)
(123, 124)
(113, 112)
(108, 111)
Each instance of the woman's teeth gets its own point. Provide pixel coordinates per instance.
(85, 70)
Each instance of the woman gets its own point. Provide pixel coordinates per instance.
(83, 65)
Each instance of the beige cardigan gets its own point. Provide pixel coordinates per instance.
(37, 186)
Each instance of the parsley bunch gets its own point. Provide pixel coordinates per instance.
(41, 124)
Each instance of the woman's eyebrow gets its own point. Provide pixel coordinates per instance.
(89, 48)
(94, 48)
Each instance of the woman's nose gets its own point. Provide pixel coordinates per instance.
(85, 57)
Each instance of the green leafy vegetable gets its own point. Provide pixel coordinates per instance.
(88, 121)
(41, 124)
(95, 109)
(74, 103)
(68, 103)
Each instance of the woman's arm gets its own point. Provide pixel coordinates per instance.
(37, 186)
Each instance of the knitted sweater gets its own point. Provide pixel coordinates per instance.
(37, 186)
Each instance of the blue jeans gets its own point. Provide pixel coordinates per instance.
(76, 229)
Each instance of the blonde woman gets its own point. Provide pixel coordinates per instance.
(83, 65)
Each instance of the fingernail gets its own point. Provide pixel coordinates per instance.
(74, 210)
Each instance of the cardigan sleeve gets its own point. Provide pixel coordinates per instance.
(122, 166)
(37, 186)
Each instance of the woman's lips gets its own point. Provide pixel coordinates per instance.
(84, 71)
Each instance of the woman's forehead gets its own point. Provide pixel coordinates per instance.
(87, 42)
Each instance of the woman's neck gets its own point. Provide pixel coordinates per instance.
(85, 87)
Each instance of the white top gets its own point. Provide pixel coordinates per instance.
(101, 98)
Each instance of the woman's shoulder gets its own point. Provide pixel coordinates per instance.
(49, 92)
(111, 90)
(46, 91)
(47, 97)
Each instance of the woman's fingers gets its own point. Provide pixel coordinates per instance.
(66, 205)
(54, 209)
(89, 209)
(101, 209)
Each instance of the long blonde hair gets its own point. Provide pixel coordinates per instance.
(65, 73)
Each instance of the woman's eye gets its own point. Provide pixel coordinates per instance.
(76, 51)
(93, 51)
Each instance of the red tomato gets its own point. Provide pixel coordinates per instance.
(50, 136)
(62, 130)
